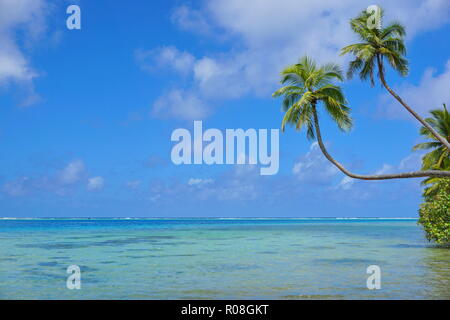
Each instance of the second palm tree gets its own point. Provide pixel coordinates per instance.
(307, 86)
(376, 46)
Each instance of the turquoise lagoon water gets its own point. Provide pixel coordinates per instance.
(220, 259)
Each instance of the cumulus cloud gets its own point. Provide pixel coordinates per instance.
(133, 185)
(364, 190)
(62, 182)
(17, 187)
(266, 35)
(190, 20)
(240, 183)
(95, 184)
(20, 18)
(180, 104)
(413, 162)
(170, 57)
(430, 93)
(314, 167)
(312, 178)
(197, 182)
(346, 183)
(72, 173)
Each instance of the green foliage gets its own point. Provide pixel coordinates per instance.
(386, 43)
(439, 156)
(308, 84)
(435, 213)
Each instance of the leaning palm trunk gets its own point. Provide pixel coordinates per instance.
(407, 107)
(416, 174)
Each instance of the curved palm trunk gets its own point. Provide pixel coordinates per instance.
(407, 107)
(416, 174)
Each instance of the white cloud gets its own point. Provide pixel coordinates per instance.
(432, 91)
(133, 184)
(420, 15)
(346, 183)
(171, 57)
(266, 35)
(180, 104)
(62, 182)
(199, 182)
(265, 22)
(95, 184)
(313, 179)
(314, 168)
(411, 162)
(241, 183)
(13, 65)
(72, 173)
(28, 16)
(190, 20)
(16, 188)
(385, 169)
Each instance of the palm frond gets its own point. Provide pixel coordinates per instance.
(426, 146)
(394, 29)
(387, 43)
(308, 85)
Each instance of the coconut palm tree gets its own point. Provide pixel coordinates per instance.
(376, 47)
(439, 157)
(308, 86)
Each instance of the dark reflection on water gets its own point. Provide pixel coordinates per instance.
(437, 262)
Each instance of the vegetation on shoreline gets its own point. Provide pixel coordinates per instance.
(435, 213)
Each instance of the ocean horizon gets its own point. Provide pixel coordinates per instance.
(207, 218)
(248, 151)
(220, 258)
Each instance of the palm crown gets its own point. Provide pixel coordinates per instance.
(439, 158)
(308, 84)
(376, 46)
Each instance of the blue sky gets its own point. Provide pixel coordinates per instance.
(87, 115)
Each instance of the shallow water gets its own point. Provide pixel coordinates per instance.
(220, 259)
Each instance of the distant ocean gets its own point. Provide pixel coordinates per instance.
(220, 259)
